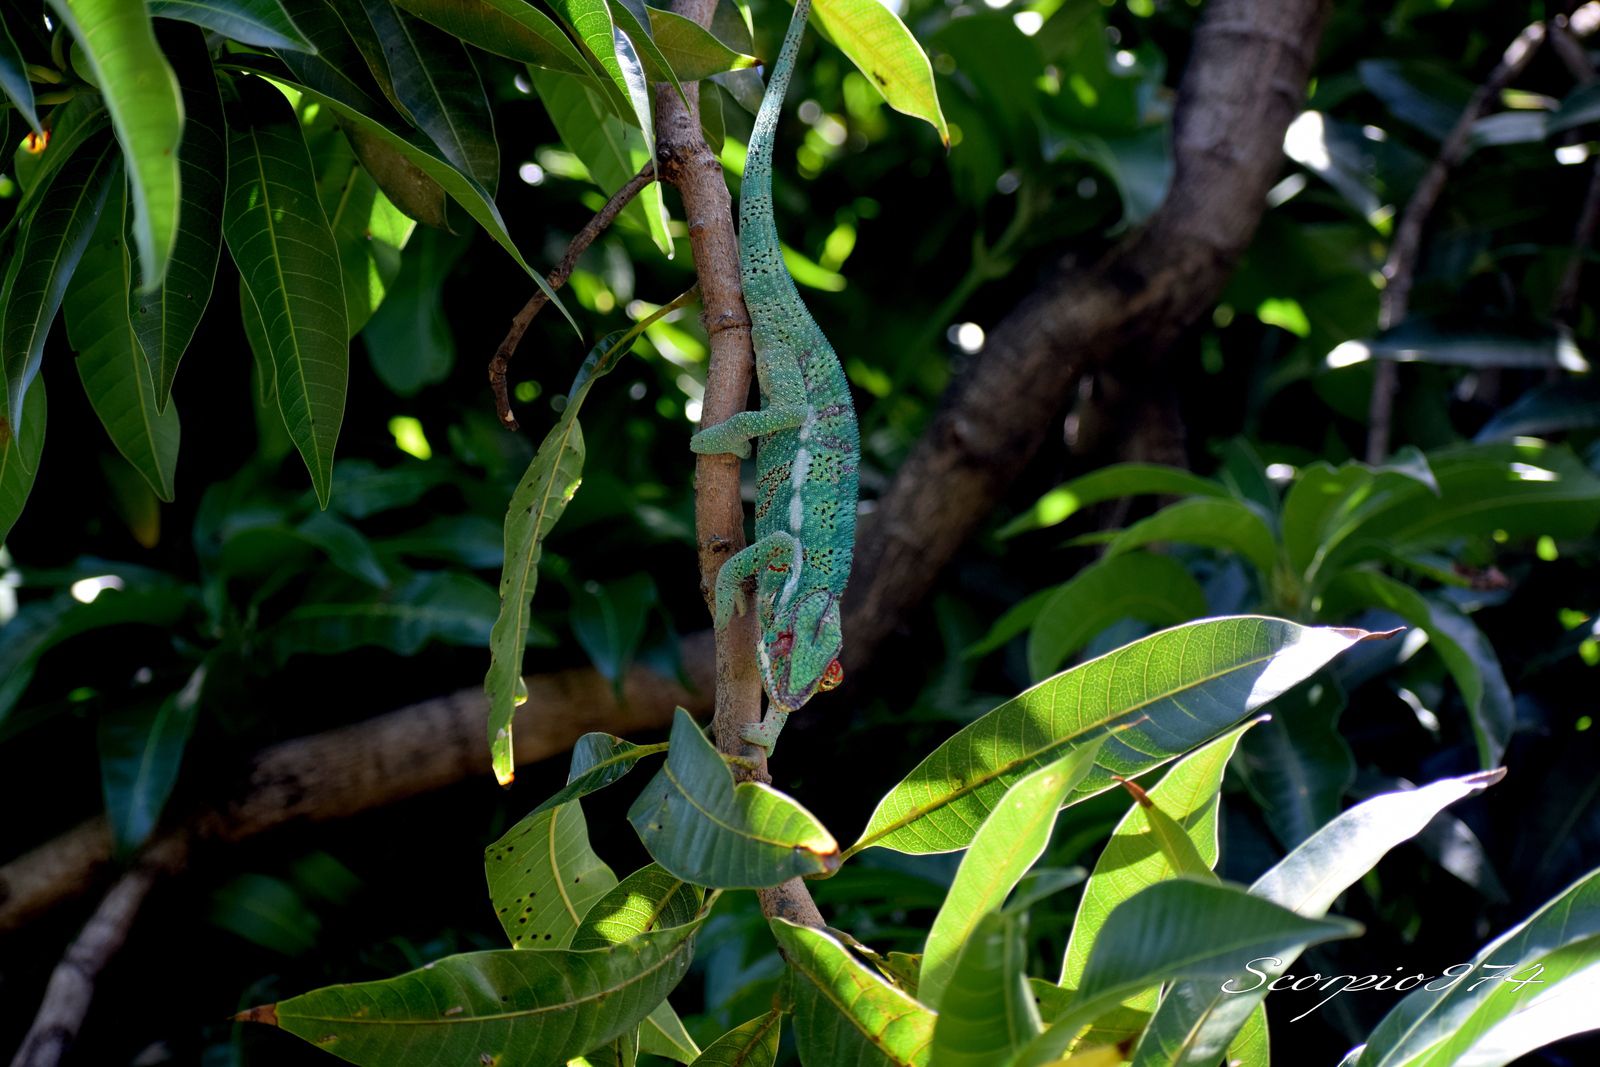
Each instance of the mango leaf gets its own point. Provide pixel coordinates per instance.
(878, 43)
(141, 748)
(693, 51)
(165, 320)
(511, 28)
(1488, 1016)
(540, 1007)
(543, 877)
(141, 93)
(609, 620)
(1174, 690)
(540, 498)
(750, 1044)
(598, 760)
(663, 1034)
(116, 374)
(695, 822)
(592, 24)
(345, 546)
(1467, 653)
(1003, 849)
(987, 1011)
(425, 158)
(1140, 585)
(287, 258)
(42, 625)
(42, 265)
(1251, 1046)
(439, 89)
(262, 23)
(632, 18)
(19, 457)
(1188, 795)
(409, 339)
(1224, 524)
(844, 1012)
(431, 606)
(14, 81)
(338, 67)
(1297, 765)
(72, 124)
(647, 900)
(1197, 1020)
(1179, 929)
(1109, 483)
(368, 228)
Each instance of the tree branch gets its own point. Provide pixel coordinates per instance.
(1245, 80)
(1401, 266)
(556, 279)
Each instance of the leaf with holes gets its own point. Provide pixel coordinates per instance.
(544, 877)
(647, 900)
(698, 824)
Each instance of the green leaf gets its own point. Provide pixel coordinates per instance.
(432, 606)
(609, 620)
(987, 1012)
(464, 190)
(338, 67)
(663, 1034)
(844, 1012)
(1179, 929)
(345, 546)
(438, 88)
(1140, 585)
(43, 261)
(699, 825)
(1581, 107)
(536, 505)
(541, 1007)
(511, 28)
(141, 748)
(1188, 795)
(1486, 1017)
(165, 320)
(368, 228)
(42, 625)
(19, 458)
(1109, 483)
(141, 92)
(281, 240)
(692, 50)
(750, 1044)
(1224, 524)
(1423, 341)
(1003, 849)
(1297, 765)
(14, 79)
(1197, 1020)
(72, 124)
(543, 878)
(633, 19)
(591, 22)
(262, 23)
(598, 760)
(1251, 1047)
(1174, 690)
(881, 47)
(647, 900)
(1467, 653)
(410, 340)
(116, 374)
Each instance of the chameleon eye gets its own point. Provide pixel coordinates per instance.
(832, 677)
(783, 643)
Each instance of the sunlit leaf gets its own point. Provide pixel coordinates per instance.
(544, 877)
(647, 900)
(881, 47)
(511, 28)
(750, 1044)
(1174, 690)
(699, 825)
(986, 1011)
(1139, 585)
(691, 49)
(598, 760)
(1109, 483)
(142, 95)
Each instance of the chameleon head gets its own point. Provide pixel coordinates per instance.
(799, 654)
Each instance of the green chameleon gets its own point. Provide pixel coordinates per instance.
(810, 451)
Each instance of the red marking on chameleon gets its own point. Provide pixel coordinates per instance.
(833, 677)
(781, 568)
(783, 643)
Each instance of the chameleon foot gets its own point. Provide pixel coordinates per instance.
(764, 734)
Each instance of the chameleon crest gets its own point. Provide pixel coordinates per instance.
(806, 483)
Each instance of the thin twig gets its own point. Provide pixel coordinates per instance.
(585, 237)
(1566, 32)
(1399, 270)
(71, 989)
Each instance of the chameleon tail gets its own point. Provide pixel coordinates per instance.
(757, 185)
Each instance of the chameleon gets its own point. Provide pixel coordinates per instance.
(806, 468)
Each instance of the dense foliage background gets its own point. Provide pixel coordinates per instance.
(1060, 126)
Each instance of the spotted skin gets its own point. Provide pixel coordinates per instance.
(806, 468)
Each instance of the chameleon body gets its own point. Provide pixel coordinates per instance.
(806, 468)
